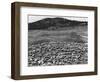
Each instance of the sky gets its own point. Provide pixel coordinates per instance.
(33, 18)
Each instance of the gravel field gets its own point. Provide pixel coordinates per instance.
(57, 48)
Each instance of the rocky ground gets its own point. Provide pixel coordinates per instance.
(57, 53)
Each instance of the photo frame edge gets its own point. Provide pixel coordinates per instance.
(15, 41)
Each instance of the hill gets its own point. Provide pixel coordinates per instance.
(55, 23)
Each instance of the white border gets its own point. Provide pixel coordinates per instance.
(25, 70)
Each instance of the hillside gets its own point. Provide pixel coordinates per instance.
(55, 23)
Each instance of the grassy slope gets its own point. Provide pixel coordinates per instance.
(60, 35)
